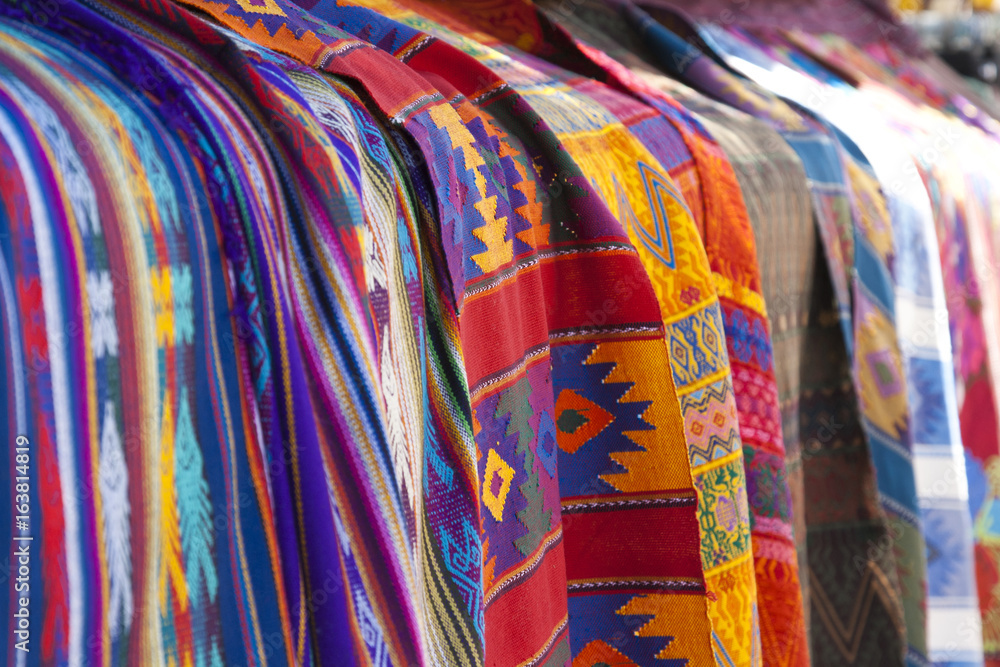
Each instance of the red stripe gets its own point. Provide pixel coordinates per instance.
(659, 542)
(522, 620)
(579, 290)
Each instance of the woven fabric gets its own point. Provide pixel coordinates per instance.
(695, 316)
(505, 383)
(128, 495)
(875, 327)
(926, 78)
(831, 638)
(574, 117)
(878, 359)
(441, 590)
(933, 432)
(725, 229)
(777, 197)
(667, 144)
(775, 192)
(427, 332)
(984, 492)
(348, 388)
(946, 188)
(961, 208)
(981, 466)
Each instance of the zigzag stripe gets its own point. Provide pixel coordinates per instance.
(847, 635)
(714, 392)
(716, 447)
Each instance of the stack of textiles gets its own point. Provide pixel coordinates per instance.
(486, 332)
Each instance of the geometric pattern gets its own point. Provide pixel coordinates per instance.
(887, 378)
(710, 416)
(637, 444)
(579, 420)
(598, 653)
(663, 616)
(662, 245)
(654, 438)
(733, 609)
(749, 341)
(496, 484)
(697, 346)
(847, 633)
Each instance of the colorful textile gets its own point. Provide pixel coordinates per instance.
(696, 320)
(341, 456)
(962, 210)
(934, 434)
(777, 197)
(831, 205)
(510, 404)
(413, 332)
(717, 205)
(878, 360)
(774, 187)
(965, 249)
(126, 493)
(439, 592)
(587, 602)
(592, 136)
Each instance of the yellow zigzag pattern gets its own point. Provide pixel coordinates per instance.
(663, 464)
(679, 616)
(493, 234)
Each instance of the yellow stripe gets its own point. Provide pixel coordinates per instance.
(742, 295)
(687, 312)
(703, 382)
(736, 562)
(719, 462)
